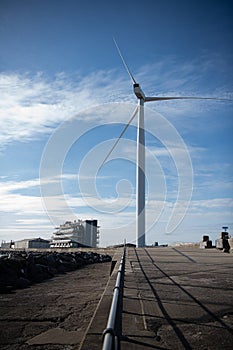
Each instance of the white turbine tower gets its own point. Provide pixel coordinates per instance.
(140, 167)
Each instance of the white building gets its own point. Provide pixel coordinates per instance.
(76, 234)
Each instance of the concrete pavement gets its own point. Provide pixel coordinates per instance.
(174, 298)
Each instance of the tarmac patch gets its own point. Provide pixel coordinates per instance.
(56, 336)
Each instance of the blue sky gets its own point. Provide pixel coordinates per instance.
(65, 97)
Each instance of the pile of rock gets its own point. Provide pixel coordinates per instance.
(21, 269)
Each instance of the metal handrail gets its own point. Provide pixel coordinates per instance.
(113, 331)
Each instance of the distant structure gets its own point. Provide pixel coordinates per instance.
(7, 245)
(36, 243)
(206, 242)
(76, 234)
(223, 242)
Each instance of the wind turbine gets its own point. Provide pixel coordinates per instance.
(140, 168)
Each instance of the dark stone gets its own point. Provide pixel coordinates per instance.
(21, 269)
(21, 283)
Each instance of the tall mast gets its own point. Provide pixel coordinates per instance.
(140, 177)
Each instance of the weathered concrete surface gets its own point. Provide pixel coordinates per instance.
(186, 298)
(175, 298)
(52, 315)
(92, 339)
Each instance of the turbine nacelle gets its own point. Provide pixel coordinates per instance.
(138, 92)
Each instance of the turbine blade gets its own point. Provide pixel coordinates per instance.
(124, 62)
(122, 133)
(155, 98)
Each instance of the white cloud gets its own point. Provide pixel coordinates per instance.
(215, 203)
(31, 105)
(24, 215)
(8, 186)
(173, 76)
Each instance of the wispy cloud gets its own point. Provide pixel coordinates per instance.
(28, 219)
(35, 104)
(31, 105)
(173, 74)
(7, 186)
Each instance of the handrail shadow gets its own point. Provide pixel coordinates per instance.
(198, 302)
(176, 329)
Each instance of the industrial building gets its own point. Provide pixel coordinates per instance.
(36, 243)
